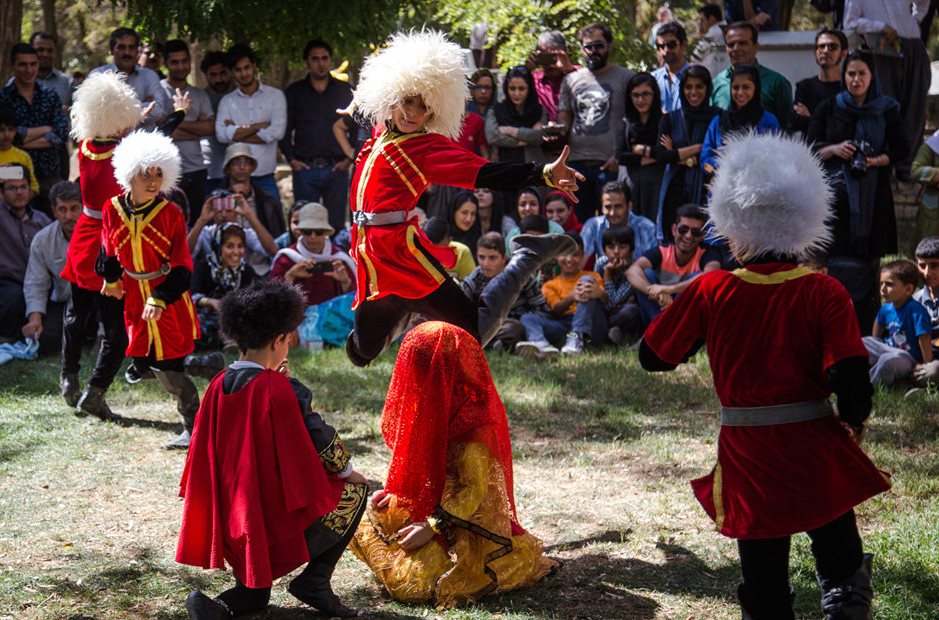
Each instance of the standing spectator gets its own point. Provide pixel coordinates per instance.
(709, 50)
(742, 44)
(663, 16)
(472, 135)
(553, 62)
(198, 124)
(591, 109)
(151, 57)
(516, 123)
(45, 292)
(618, 211)
(831, 48)
(9, 154)
(18, 225)
(672, 42)
(483, 92)
(218, 77)
(926, 173)
(123, 44)
(891, 30)
(320, 167)
(64, 86)
(643, 113)
(681, 138)
(41, 124)
(762, 14)
(254, 113)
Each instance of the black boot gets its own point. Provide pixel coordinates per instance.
(92, 402)
(312, 587)
(70, 388)
(756, 606)
(187, 402)
(849, 599)
(529, 253)
(201, 607)
(205, 366)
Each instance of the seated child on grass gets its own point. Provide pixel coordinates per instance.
(622, 311)
(927, 261)
(490, 254)
(901, 336)
(268, 485)
(576, 299)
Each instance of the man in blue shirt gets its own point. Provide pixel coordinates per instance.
(671, 45)
(617, 206)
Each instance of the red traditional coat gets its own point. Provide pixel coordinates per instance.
(144, 243)
(253, 482)
(392, 170)
(772, 331)
(96, 176)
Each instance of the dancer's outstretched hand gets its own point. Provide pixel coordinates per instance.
(415, 536)
(563, 176)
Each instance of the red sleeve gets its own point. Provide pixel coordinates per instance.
(674, 332)
(447, 163)
(841, 336)
(108, 217)
(280, 267)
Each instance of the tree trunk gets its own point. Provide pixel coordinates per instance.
(785, 14)
(51, 25)
(11, 29)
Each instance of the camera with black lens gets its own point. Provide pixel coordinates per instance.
(862, 150)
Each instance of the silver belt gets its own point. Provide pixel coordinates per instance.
(386, 218)
(778, 414)
(149, 275)
(91, 213)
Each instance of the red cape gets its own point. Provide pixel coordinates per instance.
(253, 482)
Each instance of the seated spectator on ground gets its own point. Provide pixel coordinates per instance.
(622, 310)
(617, 207)
(216, 274)
(438, 232)
(238, 167)
(10, 154)
(662, 273)
(44, 291)
(490, 254)
(290, 236)
(221, 208)
(816, 261)
(491, 213)
(902, 336)
(576, 299)
(927, 261)
(557, 208)
(529, 203)
(463, 220)
(312, 263)
(18, 225)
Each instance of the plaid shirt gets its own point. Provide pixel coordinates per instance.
(529, 300)
(618, 289)
(45, 109)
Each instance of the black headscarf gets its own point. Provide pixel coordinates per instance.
(747, 117)
(507, 115)
(697, 118)
(466, 237)
(638, 132)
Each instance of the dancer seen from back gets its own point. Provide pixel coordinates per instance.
(773, 318)
(148, 265)
(415, 90)
(444, 529)
(268, 484)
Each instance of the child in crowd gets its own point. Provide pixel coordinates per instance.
(902, 334)
(438, 232)
(291, 235)
(490, 254)
(576, 299)
(622, 310)
(9, 154)
(222, 208)
(927, 260)
(297, 497)
(148, 265)
(816, 261)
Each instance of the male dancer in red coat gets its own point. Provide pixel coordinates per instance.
(780, 340)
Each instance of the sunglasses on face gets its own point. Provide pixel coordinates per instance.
(667, 45)
(310, 232)
(695, 232)
(595, 45)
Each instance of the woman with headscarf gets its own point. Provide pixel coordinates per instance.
(528, 203)
(643, 112)
(463, 220)
(444, 529)
(926, 172)
(681, 137)
(746, 113)
(858, 135)
(216, 274)
(515, 125)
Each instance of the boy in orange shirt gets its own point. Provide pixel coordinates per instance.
(576, 299)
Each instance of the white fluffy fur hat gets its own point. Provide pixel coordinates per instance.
(770, 194)
(422, 63)
(142, 150)
(104, 106)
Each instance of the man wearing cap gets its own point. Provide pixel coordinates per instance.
(321, 270)
(239, 164)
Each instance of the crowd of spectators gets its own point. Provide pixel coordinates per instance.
(646, 143)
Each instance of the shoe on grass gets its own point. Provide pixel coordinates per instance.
(201, 607)
(574, 344)
(92, 402)
(539, 349)
(616, 336)
(70, 388)
(134, 375)
(180, 442)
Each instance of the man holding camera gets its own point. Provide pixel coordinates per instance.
(321, 270)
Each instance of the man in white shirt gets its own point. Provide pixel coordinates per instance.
(253, 113)
(891, 29)
(123, 44)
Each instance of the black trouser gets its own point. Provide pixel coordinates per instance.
(12, 309)
(765, 565)
(194, 184)
(81, 306)
(325, 547)
(50, 341)
(379, 322)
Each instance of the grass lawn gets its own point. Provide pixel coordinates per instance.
(603, 453)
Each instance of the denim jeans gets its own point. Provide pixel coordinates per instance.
(588, 319)
(325, 185)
